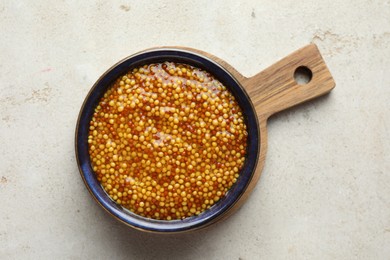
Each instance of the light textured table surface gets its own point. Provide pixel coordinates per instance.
(325, 189)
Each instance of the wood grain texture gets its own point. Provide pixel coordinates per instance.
(275, 89)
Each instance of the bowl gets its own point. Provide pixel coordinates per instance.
(220, 208)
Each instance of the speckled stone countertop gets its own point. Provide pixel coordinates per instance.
(325, 189)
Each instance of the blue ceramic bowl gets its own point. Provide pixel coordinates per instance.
(220, 208)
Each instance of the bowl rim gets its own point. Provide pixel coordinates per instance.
(152, 56)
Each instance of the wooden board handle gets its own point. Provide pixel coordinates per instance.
(276, 89)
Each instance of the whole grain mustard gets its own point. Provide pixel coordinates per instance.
(167, 141)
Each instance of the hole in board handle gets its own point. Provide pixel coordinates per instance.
(303, 75)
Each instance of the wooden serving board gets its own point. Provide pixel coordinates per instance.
(273, 90)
